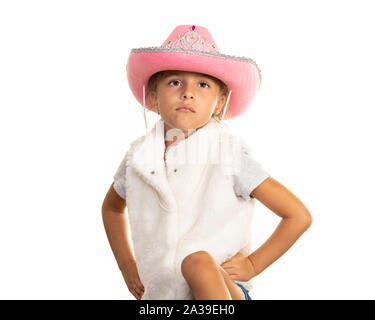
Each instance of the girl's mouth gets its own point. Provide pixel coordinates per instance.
(185, 108)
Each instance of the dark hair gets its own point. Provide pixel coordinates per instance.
(153, 81)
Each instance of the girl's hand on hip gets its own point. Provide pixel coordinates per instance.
(132, 280)
(239, 267)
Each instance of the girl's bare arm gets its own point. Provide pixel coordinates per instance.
(116, 227)
(296, 219)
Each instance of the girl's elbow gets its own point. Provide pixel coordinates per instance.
(306, 220)
(302, 220)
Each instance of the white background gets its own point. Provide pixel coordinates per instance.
(68, 117)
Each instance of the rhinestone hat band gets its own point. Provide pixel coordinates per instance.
(192, 40)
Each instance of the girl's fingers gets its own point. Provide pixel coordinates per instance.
(140, 285)
(228, 267)
(135, 294)
(232, 272)
(139, 291)
(235, 277)
(225, 264)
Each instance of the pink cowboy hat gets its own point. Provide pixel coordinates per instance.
(191, 48)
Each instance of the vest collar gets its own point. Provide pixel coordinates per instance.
(147, 158)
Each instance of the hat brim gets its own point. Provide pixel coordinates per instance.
(240, 74)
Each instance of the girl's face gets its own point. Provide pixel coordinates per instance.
(196, 90)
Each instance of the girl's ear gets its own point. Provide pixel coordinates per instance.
(220, 105)
(153, 100)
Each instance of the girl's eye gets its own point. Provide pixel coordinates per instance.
(174, 81)
(206, 84)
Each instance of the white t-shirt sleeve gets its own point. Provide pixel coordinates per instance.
(249, 175)
(119, 178)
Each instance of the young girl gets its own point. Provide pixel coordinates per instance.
(190, 184)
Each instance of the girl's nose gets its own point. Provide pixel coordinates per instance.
(188, 93)
(188, 96)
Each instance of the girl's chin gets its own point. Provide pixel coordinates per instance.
(185, 121)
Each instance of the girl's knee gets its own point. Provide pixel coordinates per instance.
(199, 260)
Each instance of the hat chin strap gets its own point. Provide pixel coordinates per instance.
(144, 106)
(226, 105)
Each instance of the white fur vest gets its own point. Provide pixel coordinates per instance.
(184, 204)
